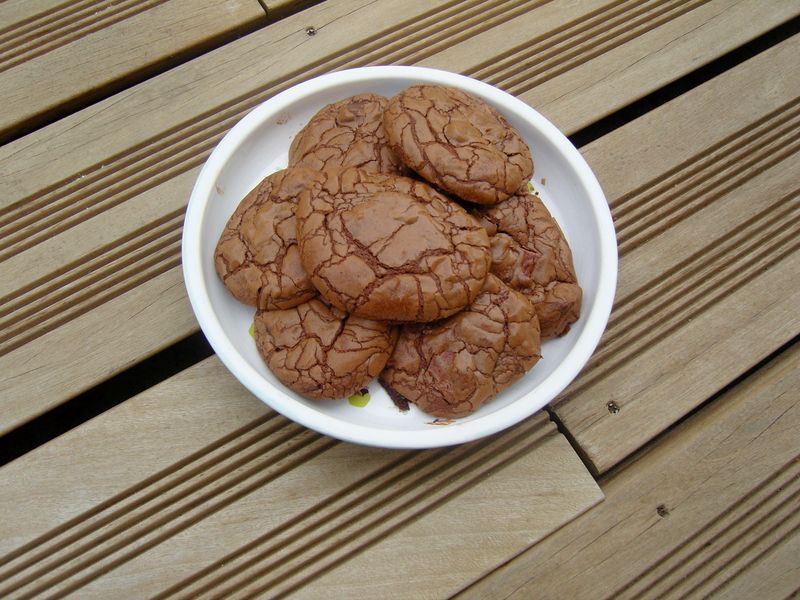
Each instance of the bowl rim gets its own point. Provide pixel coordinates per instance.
(463, 431)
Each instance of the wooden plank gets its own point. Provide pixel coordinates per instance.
(54, 52)
(773, 574)
(448, 546)
(161, 299)
(14, 13)
(580, 70)
(706, 223)
(711, 510)
(140, 150)
(208, 490)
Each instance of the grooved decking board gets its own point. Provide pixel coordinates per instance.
(16, 13)
(727, 481)
(206, 490)
(580, 70)
(89, 239)
(55, 51)
(707, 223)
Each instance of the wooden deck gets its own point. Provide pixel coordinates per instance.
(669, 468)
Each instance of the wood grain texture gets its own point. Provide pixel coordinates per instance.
(708, 254)
(118, 202)
(711, 510)
(446, 547)
(224, 497)
(579, 70)
(16, 13)
(54, 52)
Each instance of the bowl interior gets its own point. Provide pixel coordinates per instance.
(258, 146)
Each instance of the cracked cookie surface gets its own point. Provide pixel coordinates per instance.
(450, 368)
(321, 352)
(348, 133)
(390, 248)
(257, 256)
(457, 142)
(531, 254)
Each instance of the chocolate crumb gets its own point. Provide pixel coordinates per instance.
(400, 401)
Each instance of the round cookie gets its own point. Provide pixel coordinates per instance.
(321, 352)
(257, 256)
(531, 254)
(390, 248)
(348, 133)
(457, 142)
(449, 369)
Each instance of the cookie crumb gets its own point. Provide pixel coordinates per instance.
(441, 421)
(400, 401)
(544, 181)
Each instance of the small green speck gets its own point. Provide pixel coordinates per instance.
(252, 330)
(361, 399)
(530, 187)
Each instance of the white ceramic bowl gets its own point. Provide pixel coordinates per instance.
(258, 145)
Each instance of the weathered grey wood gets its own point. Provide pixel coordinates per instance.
(140, 151)
(53, 52)
(195, 486)
(707, 224)
(710, 510)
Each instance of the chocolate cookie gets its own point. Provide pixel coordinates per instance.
(348, 133)
(257, 256)
(390, 248)
(531, 254)
(450, 368)
(457, 142)
(321, 352)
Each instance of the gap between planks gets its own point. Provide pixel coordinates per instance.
(399, 490)
(41, 321)
(707, 510)
(43, 310)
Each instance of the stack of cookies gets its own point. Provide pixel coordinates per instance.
(402, 242)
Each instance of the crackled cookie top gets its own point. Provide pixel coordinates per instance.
(450, 368)
(531, 254)
(257, 256)
(457, 142)
(390, 248)
(321, 352)
(348, 133)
